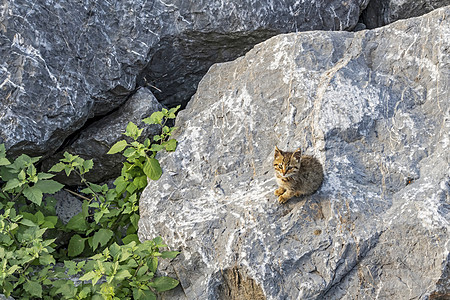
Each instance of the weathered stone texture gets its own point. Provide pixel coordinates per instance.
(373, 107)
(63, 62)
(382, 12)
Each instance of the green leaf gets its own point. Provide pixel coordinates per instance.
(152, 169)
(115, 250)
(67, 289)
(165, 130)
(147, 143)
(88, 276)
(87, 165)
(77, 223)
(11, 184)
(122, 275)
(33, 194)
(68, 157)
(154, 264)
(133, 131)
(27, 222)
(142, 271)
(140, 182)
(131, 229)
(155, 118)
(49, 186)
(118, 147)
(68, 169)
(43, 175)
(46, 259)
(7, 288)
(87, 191)
(33, 288)
(101, 237)
(156, 147)
(143, 294)
(95, 187)
(29, 216)
(158, 241)
(172, 111)
(22, 175)
(58, 167)
(2, 150)
(121, 184)
(4, 161)
(171, 145)
(76, 245)
(130, 238)
(40, 217)
(164, 283)
(129, 152)
(51, 220)
(70, 266)
(134, 218)
(169, 254)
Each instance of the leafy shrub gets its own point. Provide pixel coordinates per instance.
(103, 247)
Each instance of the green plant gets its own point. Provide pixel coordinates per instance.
(141, 161)
(117, 273)
(103, 245)
(23, 245)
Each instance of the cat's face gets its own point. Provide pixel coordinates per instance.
(286, 164)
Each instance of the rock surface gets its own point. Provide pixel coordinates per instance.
(382, 12)
(63, 62)
(373, 107)
(67, 206)
(96, 139)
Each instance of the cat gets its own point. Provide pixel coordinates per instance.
(296, 174)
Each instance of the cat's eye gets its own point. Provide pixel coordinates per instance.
(280, 166)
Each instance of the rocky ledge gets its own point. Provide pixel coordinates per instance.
(373, 107)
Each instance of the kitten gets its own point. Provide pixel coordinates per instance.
(296, 174)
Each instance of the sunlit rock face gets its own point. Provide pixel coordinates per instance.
(373, 108)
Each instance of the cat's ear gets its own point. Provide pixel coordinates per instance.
(297, 154)
(277, 151)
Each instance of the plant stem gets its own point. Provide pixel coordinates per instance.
(76, 194)
(19, 193)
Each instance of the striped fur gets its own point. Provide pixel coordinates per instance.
(296, 174)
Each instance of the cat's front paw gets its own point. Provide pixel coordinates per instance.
(279, 191)
(282, 199)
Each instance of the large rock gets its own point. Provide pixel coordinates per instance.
(382, 12)
(63, 62)
(212, 31)
(373, 107)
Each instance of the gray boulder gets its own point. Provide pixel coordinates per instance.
(382, 12)
(216, 31)
(64, 62)
(373, 107)
(95, 140)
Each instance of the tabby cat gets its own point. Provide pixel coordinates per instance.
(296, 174)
